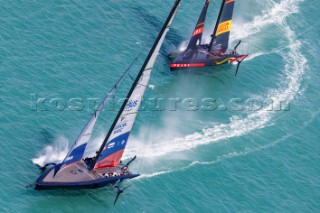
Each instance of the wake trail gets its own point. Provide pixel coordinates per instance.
(294, 69)
(275, 16)
(235, 154)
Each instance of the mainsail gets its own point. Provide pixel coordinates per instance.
(115, 142)
(220, 39)
(78, 148)
(198, 31)
(104, 168)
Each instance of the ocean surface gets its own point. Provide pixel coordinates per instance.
(214, 143)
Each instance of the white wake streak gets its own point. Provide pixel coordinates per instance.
(275, 17)
(294, 69)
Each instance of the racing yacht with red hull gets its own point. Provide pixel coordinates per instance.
(216, 52)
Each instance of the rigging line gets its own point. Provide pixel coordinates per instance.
(101, 106)
(150, 60)
(129, 67)
(131, 77)
(150, 124)
(147, 136)
(217, 24)
(134, 60)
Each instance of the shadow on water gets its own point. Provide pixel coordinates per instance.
(172, 39)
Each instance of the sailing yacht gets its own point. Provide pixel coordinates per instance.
(216, 52)
(105, 167)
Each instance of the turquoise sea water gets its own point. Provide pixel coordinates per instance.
(263, 158)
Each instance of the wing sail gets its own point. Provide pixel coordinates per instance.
(198, 31)
(220, 39)
(79, 146)
(115, 142)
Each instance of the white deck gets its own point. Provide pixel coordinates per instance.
(78, 172)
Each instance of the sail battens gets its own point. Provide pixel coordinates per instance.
(132, 113)
(142, 85)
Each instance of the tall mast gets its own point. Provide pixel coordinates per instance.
(78, 148)
(136, 81)
(217, 24)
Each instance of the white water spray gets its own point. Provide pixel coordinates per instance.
(294, 69)
(54, 153)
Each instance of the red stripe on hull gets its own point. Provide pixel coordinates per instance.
(187, 65)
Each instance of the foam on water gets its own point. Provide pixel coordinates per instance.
(293, 70)
(234, 154)
(276, 15)
(154, 174)
(255, 55)
(54, 153)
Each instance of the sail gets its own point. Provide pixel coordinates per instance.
(78, 148)
(220, 39)
(115, 142)
(198, 31)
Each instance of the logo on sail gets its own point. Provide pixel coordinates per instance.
(198, 31)
(224, 27)
(69, 158)
(119, 128)
(111, 145)
(131, 104)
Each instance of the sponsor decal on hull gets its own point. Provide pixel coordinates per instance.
(187, 65)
